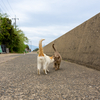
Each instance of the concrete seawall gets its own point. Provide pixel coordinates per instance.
(80, 45)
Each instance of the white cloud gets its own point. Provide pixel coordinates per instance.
(50, 19)
(48, 32)
(33, 6)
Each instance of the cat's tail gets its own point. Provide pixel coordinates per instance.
(40, 48)
(53, 47)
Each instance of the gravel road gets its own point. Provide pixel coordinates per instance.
(19, 81)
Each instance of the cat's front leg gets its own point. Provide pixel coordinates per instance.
(54, 65)
(58, 66)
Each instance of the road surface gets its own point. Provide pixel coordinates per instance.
(19, 80)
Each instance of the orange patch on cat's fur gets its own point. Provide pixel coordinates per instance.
(51, 57)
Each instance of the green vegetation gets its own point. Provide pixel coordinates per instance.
(14, 39)
(27, 47)
(36, 49)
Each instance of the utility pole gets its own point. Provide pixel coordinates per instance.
(15, 20)
(31, 45)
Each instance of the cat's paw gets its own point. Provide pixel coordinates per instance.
(56, 69)
(47, 70)
(46, 73)
(38, 72)
(53, 66)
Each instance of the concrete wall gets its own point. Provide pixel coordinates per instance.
(80, 45)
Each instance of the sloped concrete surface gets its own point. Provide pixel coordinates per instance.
(80, 45)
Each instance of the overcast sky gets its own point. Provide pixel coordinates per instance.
(49, 19)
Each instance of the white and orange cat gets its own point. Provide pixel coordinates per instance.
(43, 59)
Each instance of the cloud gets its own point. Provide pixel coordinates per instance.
(48, 32)
(50, 19)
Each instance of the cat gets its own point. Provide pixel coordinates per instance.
(43, 59)
(57, 58)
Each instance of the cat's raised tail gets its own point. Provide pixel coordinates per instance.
(40, 48)
(53, 47)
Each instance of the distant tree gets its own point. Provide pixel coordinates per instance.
(14, 39)
(27, 47)
(20, 47)
(36, 49)
(6, 32)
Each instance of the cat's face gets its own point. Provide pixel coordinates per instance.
(56, 58)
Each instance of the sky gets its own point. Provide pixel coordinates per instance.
(48, 19)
